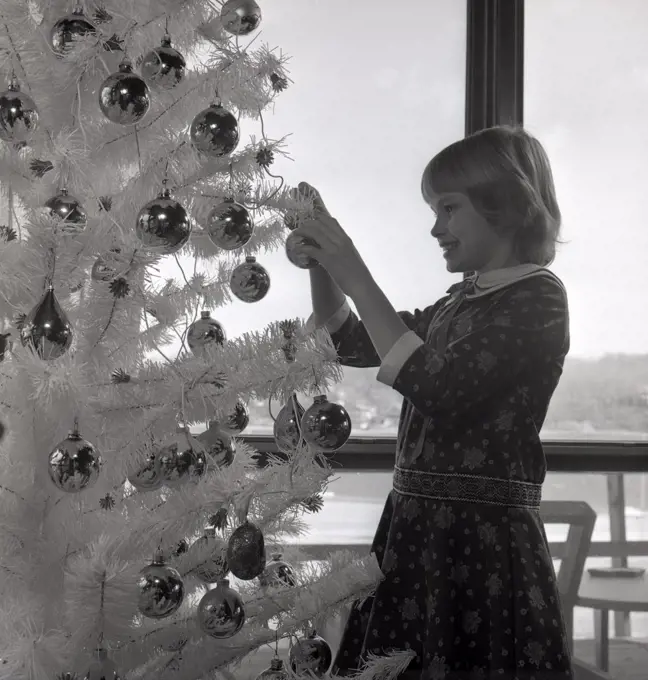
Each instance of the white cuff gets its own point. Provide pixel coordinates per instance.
(395, 359)
(333, 323)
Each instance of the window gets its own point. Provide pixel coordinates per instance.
(377, 91)
(584, 100)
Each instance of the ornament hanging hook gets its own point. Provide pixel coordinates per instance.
(231, 176)
(48, 284)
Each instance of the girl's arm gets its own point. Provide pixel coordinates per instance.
(327, 297)
(355, 344)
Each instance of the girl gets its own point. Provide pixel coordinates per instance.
(469, 583)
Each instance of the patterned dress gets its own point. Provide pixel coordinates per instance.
(469, 583)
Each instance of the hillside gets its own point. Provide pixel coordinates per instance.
(609, 393)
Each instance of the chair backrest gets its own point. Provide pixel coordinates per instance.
(581, 519)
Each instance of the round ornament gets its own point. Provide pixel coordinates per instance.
(240, 17)
(278, 573)
(124, 97)
(161, 589)
(46, 329)
(69, 210)
(246, 552)
(102, 667)
(215, 131)
(219, 445)
(210, 554)
(68, 29)
(74, 464)
(19, 116)
(294, 242)
(164, 66)
(220, 612)
(205, 332)
(163, 225)
(326, 425)
(287, 424)
(229, 225)
(105, 267)
(149, 477)
(250, 282)
(182, 459)
(311, 654)
(236, 421)
(275, 671)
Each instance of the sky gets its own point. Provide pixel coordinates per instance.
(379, 89)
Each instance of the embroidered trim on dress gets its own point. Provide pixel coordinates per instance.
(512, 493)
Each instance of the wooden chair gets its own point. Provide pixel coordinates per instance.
(581, 519)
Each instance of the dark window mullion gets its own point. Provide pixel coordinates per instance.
(494, 65)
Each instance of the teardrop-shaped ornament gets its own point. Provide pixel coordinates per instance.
(47, 329)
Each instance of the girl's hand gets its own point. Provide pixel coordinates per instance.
(334, 249)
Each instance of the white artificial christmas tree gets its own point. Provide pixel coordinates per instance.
(123, 147)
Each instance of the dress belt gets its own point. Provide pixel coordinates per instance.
(512, 493)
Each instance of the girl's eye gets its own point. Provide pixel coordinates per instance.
(448, 208)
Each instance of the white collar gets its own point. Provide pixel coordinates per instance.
(494, 280)
(497, 277)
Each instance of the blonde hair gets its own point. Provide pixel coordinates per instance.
(505, 172)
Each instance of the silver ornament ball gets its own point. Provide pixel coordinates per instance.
(68, 29)
(229, 225)
(240, 17)
(102, 667)
(163, 225)
(150, 476)
(215, 131)
(219, 445)
(19, 117)
(325, 425)
(205, 332)
(276, 671)
(294, 242)
(124, 97)
(220, 612)
(182, 459)
(209, 552)
(311, 654)
(161, 590)
(250, 282)
(235, 421)
(105, 266)
(164, 66)
(74, 464)
(278, 573)
(68, 210)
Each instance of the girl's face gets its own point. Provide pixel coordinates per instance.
(469, 243)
